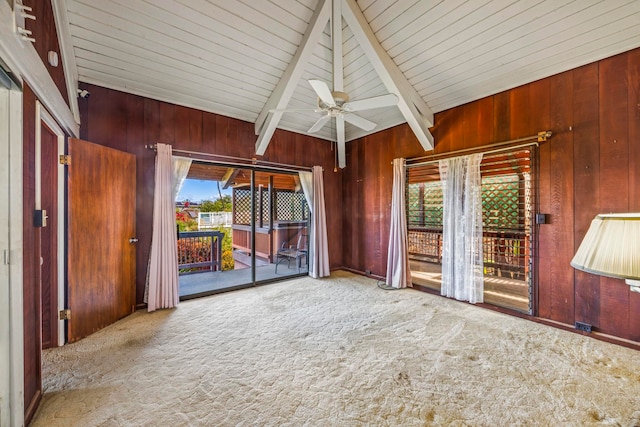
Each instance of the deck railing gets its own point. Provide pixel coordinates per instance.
(199, 251)
(505, 253)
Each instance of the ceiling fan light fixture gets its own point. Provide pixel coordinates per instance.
(339, 99)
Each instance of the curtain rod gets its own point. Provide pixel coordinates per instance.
(243, 161)
(497, 147)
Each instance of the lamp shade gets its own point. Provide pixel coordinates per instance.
(611, 247)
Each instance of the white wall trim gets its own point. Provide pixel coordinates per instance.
(42, 115)
(16, 241)
(24, 61)
(68, 58)
(11, 259)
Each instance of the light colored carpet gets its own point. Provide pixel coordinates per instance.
(336, 352)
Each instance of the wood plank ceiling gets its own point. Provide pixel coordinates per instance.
(227, 56)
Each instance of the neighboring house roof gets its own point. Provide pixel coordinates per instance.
(193, 213)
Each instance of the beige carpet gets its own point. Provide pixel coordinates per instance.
(337, 352)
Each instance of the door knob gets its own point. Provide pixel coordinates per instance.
(133, 240)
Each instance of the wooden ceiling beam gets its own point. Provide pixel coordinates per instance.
(229, 177)
(416, 112)
(267, 121)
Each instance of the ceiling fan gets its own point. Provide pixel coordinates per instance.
(336, 104)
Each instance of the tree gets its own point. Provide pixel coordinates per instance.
(207, 206)
(221, 205)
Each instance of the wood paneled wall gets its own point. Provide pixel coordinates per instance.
(589, 166)
(128, 122)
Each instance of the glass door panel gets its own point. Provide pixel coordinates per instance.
(261, 236)
(507, 205)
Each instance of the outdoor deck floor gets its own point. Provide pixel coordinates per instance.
(500, 291)
(207, 283)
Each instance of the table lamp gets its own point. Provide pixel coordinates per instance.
(611, 248)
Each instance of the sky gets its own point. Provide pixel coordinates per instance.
(197, 190)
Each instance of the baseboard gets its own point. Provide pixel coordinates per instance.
(359, 272)
(32, 407)
(566, 327)
(635, 345)
(559, 325)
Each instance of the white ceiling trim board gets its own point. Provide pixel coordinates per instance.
(69, 65)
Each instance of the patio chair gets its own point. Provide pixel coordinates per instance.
(297, 253)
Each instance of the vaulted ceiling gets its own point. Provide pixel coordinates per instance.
(234, 57)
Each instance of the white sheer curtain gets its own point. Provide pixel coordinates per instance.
(313, 188)
(162, 276)
(306, 181)
(181, 166)
(398, 272)
(462, 260)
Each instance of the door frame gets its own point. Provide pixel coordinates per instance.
(43, 117)
(12, 348)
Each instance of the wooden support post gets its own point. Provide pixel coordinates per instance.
(272, 201)
(260, 208)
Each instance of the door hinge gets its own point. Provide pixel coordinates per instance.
(7, 256)
(65, 314)
(65, 159)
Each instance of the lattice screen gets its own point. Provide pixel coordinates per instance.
(502, 208)
(265, 207)
(425, 205)
(242, 206)
(289, 206)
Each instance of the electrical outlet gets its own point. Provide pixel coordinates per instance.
(368, 272)
(583, 326)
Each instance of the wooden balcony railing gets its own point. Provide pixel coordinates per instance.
(505, 253)
(199, 251)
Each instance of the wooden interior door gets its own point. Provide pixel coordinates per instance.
(49, 237)
(101, 222)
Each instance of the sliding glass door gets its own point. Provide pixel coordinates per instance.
(507, 210)
(255, 231)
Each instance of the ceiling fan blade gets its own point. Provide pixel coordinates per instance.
(361, 122)
(318, 125)
(340, 141)
(323, 91)
(387, 100)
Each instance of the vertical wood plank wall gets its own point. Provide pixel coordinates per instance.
(590, 165)
(128, 122)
